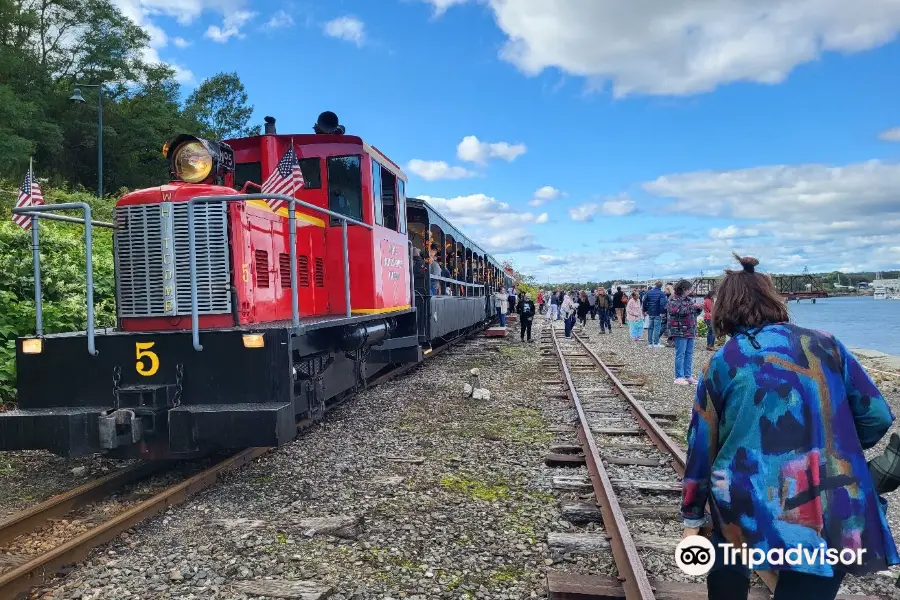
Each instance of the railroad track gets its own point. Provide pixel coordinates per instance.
(21, 573)
(635, 467)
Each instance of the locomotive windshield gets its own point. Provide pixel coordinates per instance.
(345, 187)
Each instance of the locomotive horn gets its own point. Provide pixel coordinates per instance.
(328, 123)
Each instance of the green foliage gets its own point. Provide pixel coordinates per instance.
(62, 278)
(220, 106)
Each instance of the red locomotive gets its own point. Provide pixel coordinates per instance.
(232, 324)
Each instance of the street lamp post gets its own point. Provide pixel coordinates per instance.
(78, 98)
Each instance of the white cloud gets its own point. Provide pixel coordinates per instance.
(584, 212)
(280, 20)
(616, 206)
(544, 194)
(619, 206)
(473, 150)
(441, 6)
(231, 26)
(181, 42)
(432, 170)
(684, 47)
(812, 191)
(550, 260)
(731, 232)
(891, 135)
(542, 218)
(347, 28)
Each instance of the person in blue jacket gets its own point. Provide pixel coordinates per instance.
(654, 305)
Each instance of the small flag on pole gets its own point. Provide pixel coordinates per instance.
(29, 195)
(286, 179)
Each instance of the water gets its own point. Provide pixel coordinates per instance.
(857, 322)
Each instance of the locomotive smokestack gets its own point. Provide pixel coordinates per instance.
(270, 125)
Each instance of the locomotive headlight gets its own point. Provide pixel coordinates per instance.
(32, 346)
(192, 162)
(196, 160)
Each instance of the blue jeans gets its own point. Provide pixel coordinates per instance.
(684, 357)
(710, 334)
(570, 324)
(654, 331)
(603, 313)
(502, 318)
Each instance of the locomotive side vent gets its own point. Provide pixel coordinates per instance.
(303, 270)
(284, 270)
(320, 273)
(261, 258)
(153, 275)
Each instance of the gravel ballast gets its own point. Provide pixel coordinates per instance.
(441, 496)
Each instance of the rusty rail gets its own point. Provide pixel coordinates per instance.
(628, 561)
(650, 425)
(658, 436)
(56, 506)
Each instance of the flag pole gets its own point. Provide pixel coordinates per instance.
(36, 257)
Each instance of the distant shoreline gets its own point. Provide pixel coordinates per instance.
(877, 361)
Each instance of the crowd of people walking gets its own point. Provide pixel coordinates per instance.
(669, 311)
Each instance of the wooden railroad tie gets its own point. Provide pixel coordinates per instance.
(274, 588)
(571, 586)
(579, 483)
(562, 585)
(587, 543)
(577, 460)
(588, 512)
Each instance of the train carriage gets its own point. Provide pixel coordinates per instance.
(232, 324)
(449, 305)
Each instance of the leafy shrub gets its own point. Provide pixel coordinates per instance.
(62, 278)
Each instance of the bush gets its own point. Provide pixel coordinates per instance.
(62, 278)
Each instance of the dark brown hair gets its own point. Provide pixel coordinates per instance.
(747, 299)
(682, 286)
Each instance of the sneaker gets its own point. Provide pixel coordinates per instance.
(692, 380)
(680, 381)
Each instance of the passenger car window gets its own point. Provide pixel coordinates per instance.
(345, 187)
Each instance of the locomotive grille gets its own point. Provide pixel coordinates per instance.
(153, 274)
(303, 270)
(320, 273)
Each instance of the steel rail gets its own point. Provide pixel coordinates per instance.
(659, 437)
(628, 561)
(33, 517)
(650, 425)
(41, 568)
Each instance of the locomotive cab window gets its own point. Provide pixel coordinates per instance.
(345, 187)
(389, 199)
(252, 171)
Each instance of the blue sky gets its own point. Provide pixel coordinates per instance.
(593, 139)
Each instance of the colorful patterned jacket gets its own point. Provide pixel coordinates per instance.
(682, 320)
(776, 445)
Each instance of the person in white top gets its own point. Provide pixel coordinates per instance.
(501, 301)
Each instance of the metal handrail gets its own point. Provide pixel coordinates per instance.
(466, 284)
(89, 224)
(292, 226)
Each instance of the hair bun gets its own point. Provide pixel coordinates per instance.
(747, 262)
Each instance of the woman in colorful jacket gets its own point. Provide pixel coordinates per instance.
(775, 447)
(682, 324)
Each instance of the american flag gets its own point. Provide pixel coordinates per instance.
(29, 195)
(286, 179)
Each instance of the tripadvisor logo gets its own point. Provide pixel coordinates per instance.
(696, 555)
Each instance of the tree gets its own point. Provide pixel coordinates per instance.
(220, 108)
